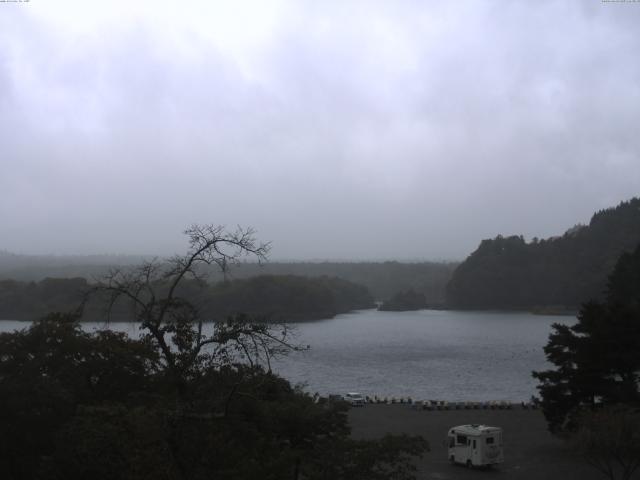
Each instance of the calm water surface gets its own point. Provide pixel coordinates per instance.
(428, 354)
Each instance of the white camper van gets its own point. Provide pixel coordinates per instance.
(475, 445)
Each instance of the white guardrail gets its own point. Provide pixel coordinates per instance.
(431, 405)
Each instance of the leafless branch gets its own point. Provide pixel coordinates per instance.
(173, 323)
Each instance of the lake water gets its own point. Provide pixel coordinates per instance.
(428, 354)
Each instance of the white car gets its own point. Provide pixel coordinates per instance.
(355, 399)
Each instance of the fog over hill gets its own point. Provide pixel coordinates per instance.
(383, 279)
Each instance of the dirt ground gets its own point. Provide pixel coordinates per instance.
(530, 452)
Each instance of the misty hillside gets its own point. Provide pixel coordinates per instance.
(508, 272)
(38, 267)
(383, 279)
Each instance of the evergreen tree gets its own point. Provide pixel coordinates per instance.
(598, 359)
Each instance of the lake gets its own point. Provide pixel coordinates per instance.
(427, 354)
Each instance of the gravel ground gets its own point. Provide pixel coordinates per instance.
(530, 452)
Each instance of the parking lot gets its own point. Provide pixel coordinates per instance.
(530, 451)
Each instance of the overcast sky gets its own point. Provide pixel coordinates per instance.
(339, 130)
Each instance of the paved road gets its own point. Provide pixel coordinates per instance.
(531, 453)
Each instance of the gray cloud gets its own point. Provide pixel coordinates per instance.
(337, 129)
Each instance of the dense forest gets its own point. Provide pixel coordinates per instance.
(288, 297)
(269, 297)
(383, 279)
(559, 272)
(31, 300)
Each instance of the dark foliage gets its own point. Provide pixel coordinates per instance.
(31, 300)
(102, 406)
(288, 297)
(180, 403)
(508, 272)
(383, 279)
(598, 359)
(47, 371)
(270, 297)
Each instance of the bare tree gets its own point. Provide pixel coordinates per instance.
(174, 324)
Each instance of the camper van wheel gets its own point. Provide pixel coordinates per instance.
(469, 464)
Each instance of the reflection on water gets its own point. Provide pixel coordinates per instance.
(428, 354)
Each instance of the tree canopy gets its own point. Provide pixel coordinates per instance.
(287, 297)
(268, 297)
(383, 279)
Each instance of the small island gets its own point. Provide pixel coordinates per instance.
(404, 301)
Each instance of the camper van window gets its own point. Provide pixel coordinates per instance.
(461, 439)
(489, 440)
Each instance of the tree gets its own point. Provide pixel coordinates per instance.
(173, 324)
(47, 371)
(597, 359)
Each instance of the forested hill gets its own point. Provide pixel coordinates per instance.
(287, 297)
(269, 298)
(565, 271)
(383, 279)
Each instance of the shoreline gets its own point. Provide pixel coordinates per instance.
(537, 311)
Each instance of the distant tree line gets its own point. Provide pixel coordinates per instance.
(508, 272)
(268, 297)
(383, 279)
(288, 297)
(32, 300)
